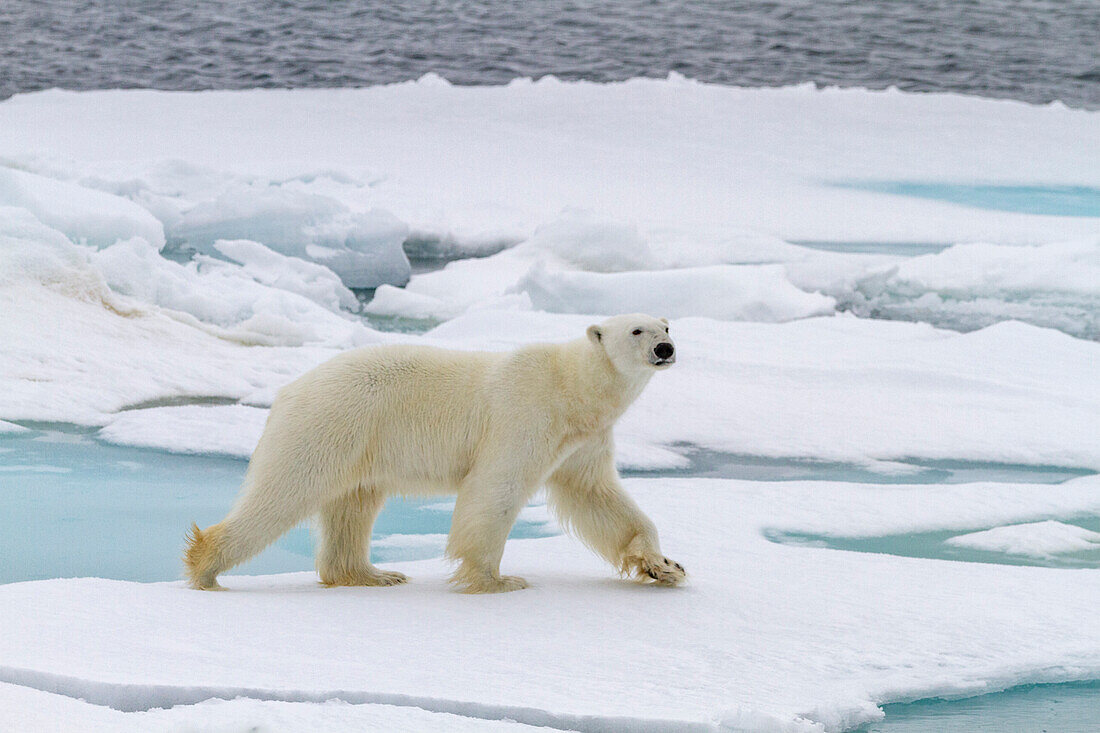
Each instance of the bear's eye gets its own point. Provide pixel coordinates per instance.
(637, 331)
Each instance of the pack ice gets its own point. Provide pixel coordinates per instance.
(839, 297)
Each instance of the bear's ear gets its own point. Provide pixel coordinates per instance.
(594, 334)
(663, 320)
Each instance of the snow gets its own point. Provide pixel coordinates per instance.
(82, 214)
(72, 360)
(211, 429)
(658, 175)
(447, 160)
(236, 299)
(363, 248)
(435, 541)
(316, 282)
(7, 427)
(838, 389)
(972, 285)
(760, 293)
(35, 711)
(850, 390)
(1034, 539)
(765, 635)
(170, 262)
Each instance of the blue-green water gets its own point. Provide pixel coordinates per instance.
(704, 463)
(899, 249)
(1064, 708)
(933, 545)
(1049, 200)
(71, 506)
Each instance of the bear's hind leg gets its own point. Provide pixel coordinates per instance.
(344, 554)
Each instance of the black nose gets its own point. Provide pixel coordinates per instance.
(663, 351)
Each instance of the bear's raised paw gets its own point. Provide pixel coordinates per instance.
(659, 571)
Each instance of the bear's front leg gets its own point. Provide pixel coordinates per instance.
(343, 557)
(488, 503)
(586, 495)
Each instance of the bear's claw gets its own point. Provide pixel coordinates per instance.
(661, 572)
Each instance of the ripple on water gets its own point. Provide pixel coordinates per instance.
(222, 44)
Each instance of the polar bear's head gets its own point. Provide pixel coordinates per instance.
(635, 342)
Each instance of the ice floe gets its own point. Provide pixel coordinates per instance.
(1034, 539)
(447, 159)
(83, 214)
(765, 636)
(173, 260)
(971, 286)
(363, 248)
(659, 175)
(209, 429)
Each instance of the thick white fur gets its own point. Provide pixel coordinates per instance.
(489, 427)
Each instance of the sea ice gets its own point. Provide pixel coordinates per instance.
(363, 248)
(209, 429)
(236, 299)
(677, 272)
(745, 293)
(188, 248)
(490, 165)
(316, 282)
(972, 285)
(768, 636)
(84, 215)
(313, 173)
(37, 711)
(1034, 539)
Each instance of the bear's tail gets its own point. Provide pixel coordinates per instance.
(204, 557)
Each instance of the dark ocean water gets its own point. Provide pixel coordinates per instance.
(1033, 50)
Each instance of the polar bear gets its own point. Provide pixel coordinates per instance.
(490, 427)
